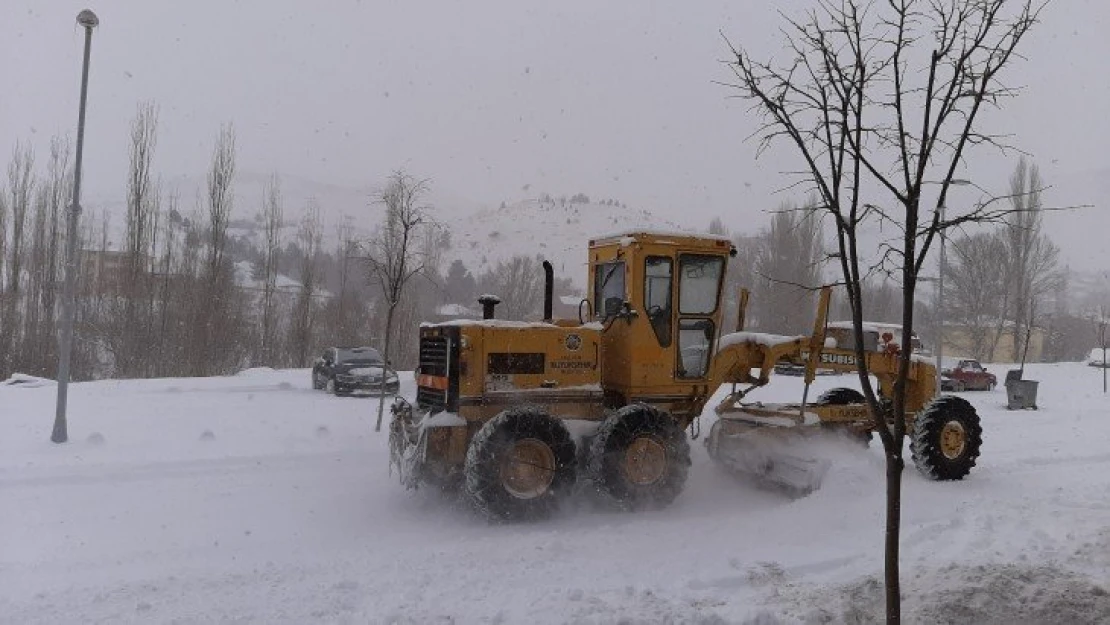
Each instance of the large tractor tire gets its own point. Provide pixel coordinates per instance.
(639, 458)
(519, 465)
(844, 397)
(946, 438)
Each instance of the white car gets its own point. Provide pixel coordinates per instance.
(1095, 358)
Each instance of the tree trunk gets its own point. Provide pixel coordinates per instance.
(894, 466)
(388, 335)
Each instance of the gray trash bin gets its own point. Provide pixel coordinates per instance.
(1021, 394)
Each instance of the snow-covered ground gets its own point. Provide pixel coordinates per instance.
(253, 499)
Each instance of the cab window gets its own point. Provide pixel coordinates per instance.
(658, 276)
(700, 283)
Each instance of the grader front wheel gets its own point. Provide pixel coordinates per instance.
(639, 458)
(946, 438)
(519, 465)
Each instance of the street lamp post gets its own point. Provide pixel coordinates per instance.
(88, 20)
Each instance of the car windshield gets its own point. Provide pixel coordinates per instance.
(358, 356)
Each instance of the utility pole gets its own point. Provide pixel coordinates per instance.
(89, 21)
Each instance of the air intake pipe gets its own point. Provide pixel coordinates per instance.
(548, 289)
(488, 302)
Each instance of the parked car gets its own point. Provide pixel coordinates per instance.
(347, 370)
(951, 384)
(1095, 358)
(967, 375)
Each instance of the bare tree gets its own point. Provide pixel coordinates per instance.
(976, 298)
(882, 301)
(272, 216)
(419, 301)
(131, 336)
(309, 238)
(518, 281)
(887, 95)
(21, 186)
(1032, 267)
(213, 310)
(717, 226)
(38, 352)
(393, 255)
(789, 268)
(170, 280)
(347, 303)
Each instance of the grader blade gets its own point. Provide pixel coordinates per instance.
(771, 454)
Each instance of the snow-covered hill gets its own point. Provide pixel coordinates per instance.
(553, 228)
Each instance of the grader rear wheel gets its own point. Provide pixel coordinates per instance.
(519, 465)
(527, 468)
(639, 458)
(946, 438)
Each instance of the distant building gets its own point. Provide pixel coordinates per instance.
(104, 272)
(959, 341)
(566, 307)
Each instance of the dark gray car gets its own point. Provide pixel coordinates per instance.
(347, 370)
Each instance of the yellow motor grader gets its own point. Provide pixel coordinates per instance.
(516, 413)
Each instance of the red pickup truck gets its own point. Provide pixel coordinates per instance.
(967, 375)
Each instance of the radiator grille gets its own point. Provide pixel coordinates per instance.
(439, 358)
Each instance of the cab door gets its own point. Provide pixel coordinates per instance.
(699, 293)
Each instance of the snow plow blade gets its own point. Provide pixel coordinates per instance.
(767, 453)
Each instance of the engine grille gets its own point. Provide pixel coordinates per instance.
(433, 355)
(439, 357)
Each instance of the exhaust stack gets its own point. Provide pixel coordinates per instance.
(548, 289)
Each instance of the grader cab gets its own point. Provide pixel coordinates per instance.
(517, 413)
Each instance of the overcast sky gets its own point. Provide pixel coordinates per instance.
(614, 99)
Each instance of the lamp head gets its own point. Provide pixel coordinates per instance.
(88, 19)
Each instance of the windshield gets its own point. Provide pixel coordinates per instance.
(608, 289)
(700, 283)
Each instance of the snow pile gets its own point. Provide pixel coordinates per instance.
(256, 371)
(27, 381)
(984, 594)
